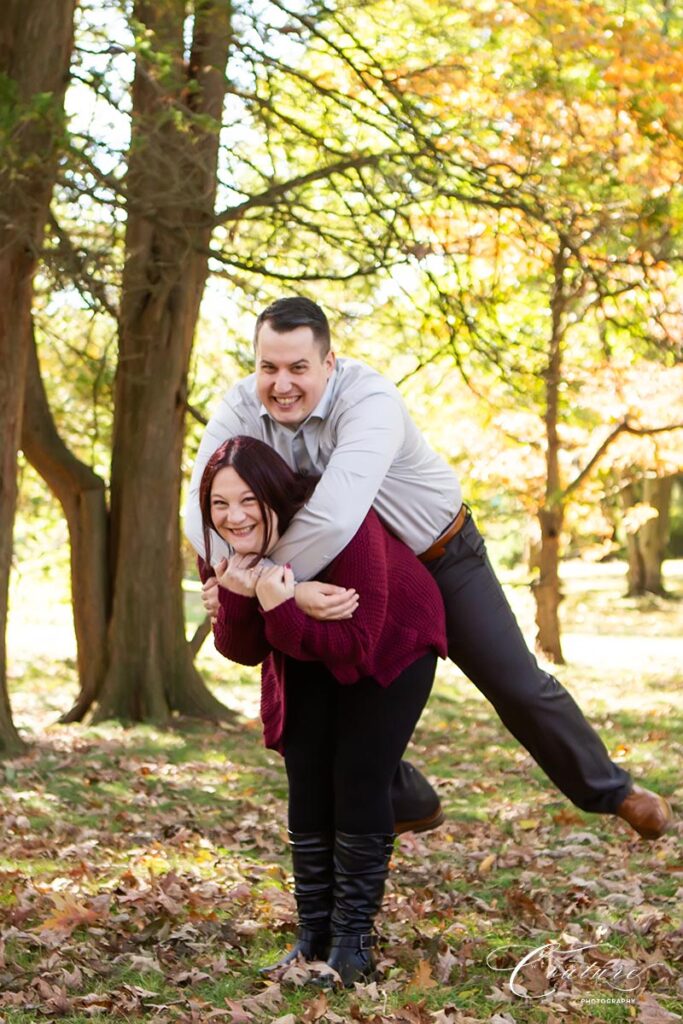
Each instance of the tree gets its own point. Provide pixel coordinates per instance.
(35, 48)
(249, 204)
(647, 533)
(567, 261)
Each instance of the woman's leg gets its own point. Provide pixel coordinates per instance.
(374, 725)
(309, 757)
(309, 742)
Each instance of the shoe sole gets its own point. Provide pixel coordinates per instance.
(422, 824)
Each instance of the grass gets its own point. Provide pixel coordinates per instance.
(143, 874)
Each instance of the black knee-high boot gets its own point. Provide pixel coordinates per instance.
(313, 868)
(361, 866)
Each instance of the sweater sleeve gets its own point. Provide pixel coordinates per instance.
(238, 632)
(362, 565)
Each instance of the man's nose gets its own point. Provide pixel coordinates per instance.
(283, 382)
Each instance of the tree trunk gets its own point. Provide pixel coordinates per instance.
(647, 543)
(171, 190)
(547, 587)
(35, 49)
(82, 496)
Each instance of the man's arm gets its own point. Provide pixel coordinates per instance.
(363, 567)
(369, 434)
(221, 427)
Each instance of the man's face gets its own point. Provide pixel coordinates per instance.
(291, 375)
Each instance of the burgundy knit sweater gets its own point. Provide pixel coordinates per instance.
(399, 618)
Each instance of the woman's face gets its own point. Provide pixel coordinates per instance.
(235, 513)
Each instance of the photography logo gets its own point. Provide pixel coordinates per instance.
(544, 970)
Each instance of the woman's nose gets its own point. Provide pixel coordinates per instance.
(234, 516)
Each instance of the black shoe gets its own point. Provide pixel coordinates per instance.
(313, 868)
(417, 807)
(361, 866)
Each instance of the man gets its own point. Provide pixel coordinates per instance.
(341, 419)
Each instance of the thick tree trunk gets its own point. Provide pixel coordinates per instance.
(647, 543)
(35, 49)
(82, 495)
(547, 587)
(171, 188)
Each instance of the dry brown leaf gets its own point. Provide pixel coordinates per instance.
(69, 915)
(650, 1011)
(238, 1015)
(422, 976)
(316, 1009)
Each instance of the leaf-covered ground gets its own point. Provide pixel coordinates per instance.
(144, 875)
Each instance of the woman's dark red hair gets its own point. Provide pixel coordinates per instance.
(274, 485)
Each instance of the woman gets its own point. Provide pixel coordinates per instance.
(339, 700)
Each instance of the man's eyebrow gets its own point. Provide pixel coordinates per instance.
(297, 362)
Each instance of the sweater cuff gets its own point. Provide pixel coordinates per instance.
(236, 605)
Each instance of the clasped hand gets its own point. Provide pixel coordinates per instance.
(322, 601)
(239, 574)
(274, 586)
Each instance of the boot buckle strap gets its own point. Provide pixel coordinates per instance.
(355, 941)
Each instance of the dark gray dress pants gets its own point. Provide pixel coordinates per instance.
(486, 643)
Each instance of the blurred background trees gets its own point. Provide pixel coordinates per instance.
(485, 199)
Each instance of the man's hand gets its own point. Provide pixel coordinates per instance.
(275, 586)
(238, 574)
(325, 601)
(210, 598)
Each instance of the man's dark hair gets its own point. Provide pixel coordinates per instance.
(287, 314)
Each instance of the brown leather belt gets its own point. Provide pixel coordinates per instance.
(438, 548)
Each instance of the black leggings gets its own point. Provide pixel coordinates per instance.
(343, 744)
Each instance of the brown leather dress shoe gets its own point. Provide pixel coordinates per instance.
(648, 813)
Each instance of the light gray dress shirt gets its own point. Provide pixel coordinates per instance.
(362, 441)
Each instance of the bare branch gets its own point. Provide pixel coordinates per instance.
(623, 427)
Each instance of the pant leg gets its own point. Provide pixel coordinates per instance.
(485, 641)
(309, 745)
(374, 725)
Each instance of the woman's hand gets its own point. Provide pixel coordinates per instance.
(238, 575)
(275, 586)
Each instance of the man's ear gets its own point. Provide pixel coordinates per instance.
(330, 361)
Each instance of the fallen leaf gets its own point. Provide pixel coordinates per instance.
(238, 1015)
(422, 976)
(651, 1012)
(486, 865)
(69, 915)
(315, 1009)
